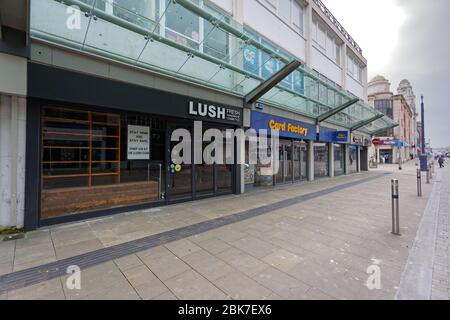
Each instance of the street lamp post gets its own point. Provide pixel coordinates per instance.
(423, 156)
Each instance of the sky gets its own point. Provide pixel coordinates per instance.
(406, 39)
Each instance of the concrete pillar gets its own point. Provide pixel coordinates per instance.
(347, 161)
(310, 161)
(12, 160)
(331, 160)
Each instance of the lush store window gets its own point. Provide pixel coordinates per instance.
(339, 159)
(353, 159)
(321, 160)
(96, 160)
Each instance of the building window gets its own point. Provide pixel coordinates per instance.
(140, 12)
(290, 11)
(297, 16)
(182, 25)
(216, 41)
(284, 9)
(354, 67)
(263, 65)
(327, 41)
(385, 107)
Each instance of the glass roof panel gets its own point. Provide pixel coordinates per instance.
(189, 40)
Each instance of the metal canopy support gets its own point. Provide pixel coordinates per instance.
(383, 129)
(364, 123)
(334, 111)
(267, 85)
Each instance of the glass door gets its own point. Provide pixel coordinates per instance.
(285, 173)
(299, 161)
(179, 177)
(303, 160)
(204, 172)
(288, 163)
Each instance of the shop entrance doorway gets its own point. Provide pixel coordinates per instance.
(179, 176)
(292, 167)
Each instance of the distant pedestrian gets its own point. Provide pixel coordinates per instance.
(441, 162)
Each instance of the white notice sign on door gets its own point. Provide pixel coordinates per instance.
(138, 143)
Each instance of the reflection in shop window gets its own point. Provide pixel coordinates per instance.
(321, 160)
(339, 159)
(353, 159)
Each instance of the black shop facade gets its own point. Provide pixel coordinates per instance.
(97, 147)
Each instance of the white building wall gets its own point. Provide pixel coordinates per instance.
(12, 160)
(356, 88)
(325, 66)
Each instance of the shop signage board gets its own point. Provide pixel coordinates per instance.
(341, 136)
(332, 135)
(138, 143)
(208, 111)
(287, 128)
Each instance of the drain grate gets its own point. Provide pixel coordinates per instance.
(27, 277)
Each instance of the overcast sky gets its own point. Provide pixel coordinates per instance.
(406, 39)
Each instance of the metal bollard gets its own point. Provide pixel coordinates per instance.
(395, 208)
(431, 172)
(428, 176)
(419, 183)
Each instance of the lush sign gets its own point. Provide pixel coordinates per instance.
(209, 111)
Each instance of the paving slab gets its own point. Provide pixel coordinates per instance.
(243, 262)
(145, 283)
(192, 286)
(282, 284)
(240, 287)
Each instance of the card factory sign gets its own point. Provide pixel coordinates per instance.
(138, 143)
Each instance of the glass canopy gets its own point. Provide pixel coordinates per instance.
(189, 40)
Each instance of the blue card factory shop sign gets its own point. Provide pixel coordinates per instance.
(287, 128)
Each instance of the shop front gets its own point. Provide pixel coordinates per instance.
(331, 146)
(359, 150)
(107, 147)
(293, 152)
